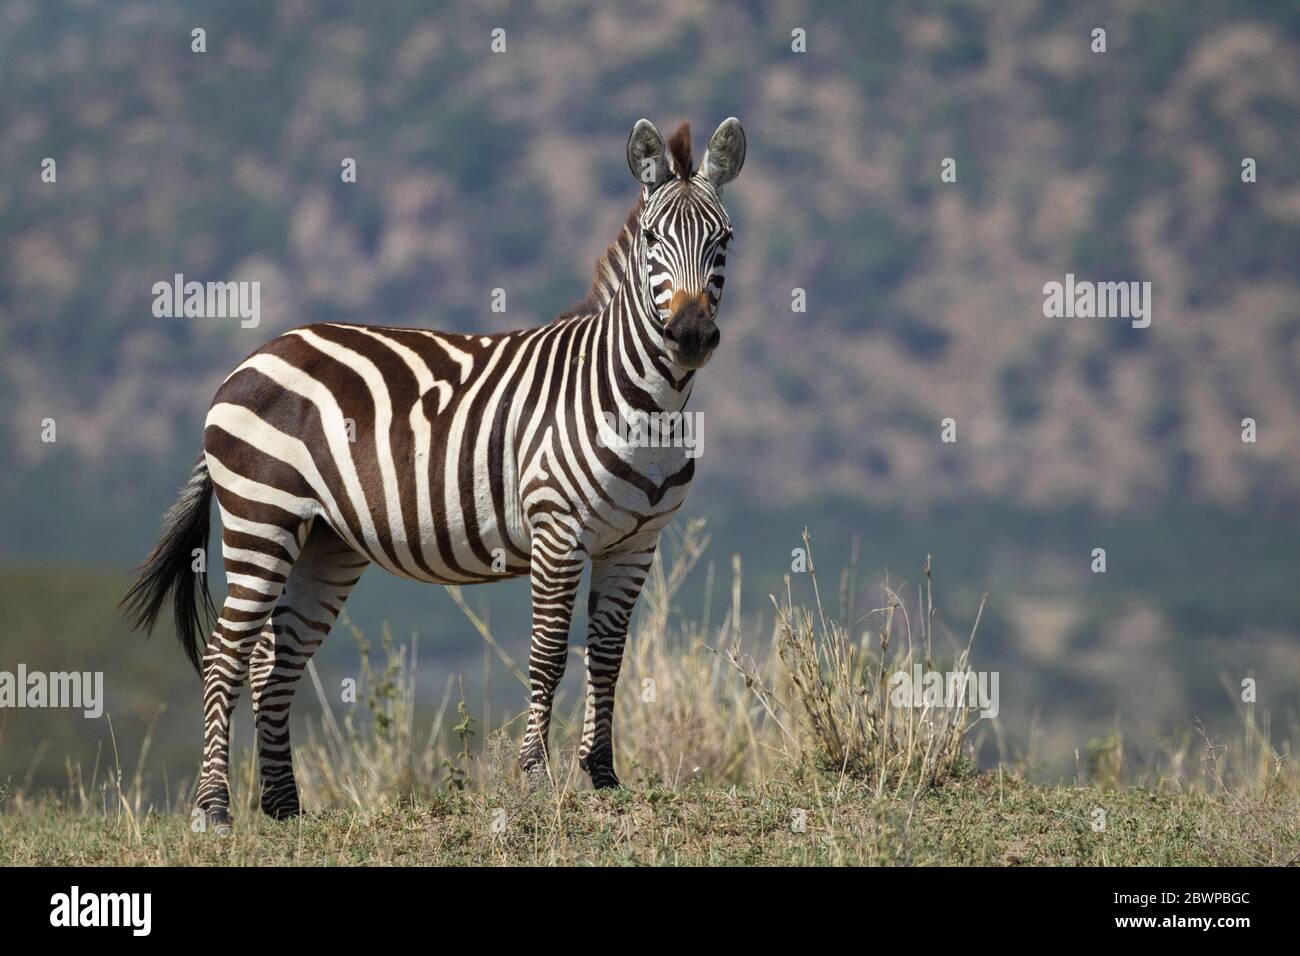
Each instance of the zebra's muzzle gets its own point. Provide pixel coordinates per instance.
(691, 335)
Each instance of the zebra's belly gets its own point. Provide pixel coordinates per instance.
(474, 542)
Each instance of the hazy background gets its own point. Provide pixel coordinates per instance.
(479, 170)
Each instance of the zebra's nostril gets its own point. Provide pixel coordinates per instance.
(714, 339)
(669, 334)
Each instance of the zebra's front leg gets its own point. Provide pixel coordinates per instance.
(615, 584)
(555, 572)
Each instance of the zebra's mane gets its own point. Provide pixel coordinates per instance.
(611, 269)
(612, 266)
(679, 148)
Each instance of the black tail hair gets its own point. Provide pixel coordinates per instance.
(167, 568)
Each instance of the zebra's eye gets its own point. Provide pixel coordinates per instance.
(650, 237)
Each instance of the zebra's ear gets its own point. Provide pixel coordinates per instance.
(726, 153)
(645, 155)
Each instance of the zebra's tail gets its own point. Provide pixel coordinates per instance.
(168, 569)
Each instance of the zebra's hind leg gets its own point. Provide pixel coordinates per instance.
(257, 567)
(615, 584)
(321, 580)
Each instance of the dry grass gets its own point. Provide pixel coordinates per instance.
(696, 705)
(725, 742)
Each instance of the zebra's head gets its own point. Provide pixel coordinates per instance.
(685, 231)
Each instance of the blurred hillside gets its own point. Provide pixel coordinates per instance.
(481, 170)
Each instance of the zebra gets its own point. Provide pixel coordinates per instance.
(454, 459)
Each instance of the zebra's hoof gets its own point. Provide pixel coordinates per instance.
(218, 821)
(283, 811)
(532, 760)
(281, 804)
(602, 773)
(535, 775)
